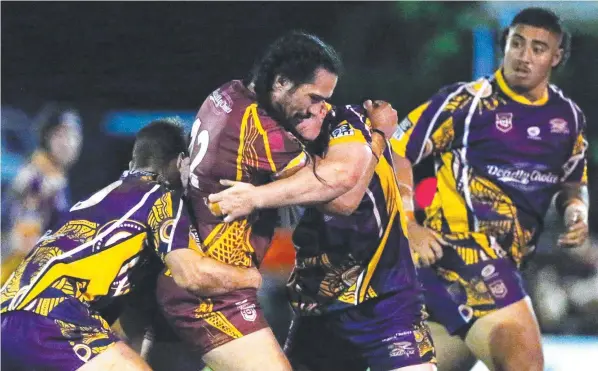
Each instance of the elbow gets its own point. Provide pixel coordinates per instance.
(346, 179)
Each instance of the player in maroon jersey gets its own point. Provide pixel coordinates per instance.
(249, 131)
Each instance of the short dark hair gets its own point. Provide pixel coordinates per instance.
(159, 142)
(541, 18)
(295, 56)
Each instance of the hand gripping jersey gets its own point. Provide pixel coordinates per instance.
(100, 251)
(232, 138)
(344, 260)
(499, 161)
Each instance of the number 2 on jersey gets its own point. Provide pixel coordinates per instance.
(201, 140)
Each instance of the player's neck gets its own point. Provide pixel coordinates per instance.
(535, 94)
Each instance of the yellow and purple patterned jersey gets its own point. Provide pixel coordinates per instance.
(100, 250)
(345, 260)
(499, 160)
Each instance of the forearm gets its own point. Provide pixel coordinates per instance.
(404, 174)
(574, 195)
(204, 276)
(334, 178)
(347, 203)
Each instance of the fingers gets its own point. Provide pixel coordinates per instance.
(573, 239)
(436, 249)
(226, 182)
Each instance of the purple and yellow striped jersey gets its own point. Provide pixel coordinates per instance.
(344, 260)
(100, 249)
(499, 159)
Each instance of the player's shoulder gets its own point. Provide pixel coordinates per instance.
(347, 121)
(560, 95)
(569, 105)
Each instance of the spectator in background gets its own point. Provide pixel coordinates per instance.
(39, 192)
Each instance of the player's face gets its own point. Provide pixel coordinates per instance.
(297, 103)
(310, 127)
(65, 145)
(530, 54)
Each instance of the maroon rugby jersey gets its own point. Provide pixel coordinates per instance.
(232, 138)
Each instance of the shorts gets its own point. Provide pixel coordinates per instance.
(373, 334)
(463, 287)
(33, 342)
(207, 323)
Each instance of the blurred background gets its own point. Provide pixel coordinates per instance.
(109, 68)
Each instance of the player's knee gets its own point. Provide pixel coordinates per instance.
(514, 347)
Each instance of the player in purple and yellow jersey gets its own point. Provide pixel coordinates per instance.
(248, 131)
(503, 146)
(101, 250)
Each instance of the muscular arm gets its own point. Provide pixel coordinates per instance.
(404, 174)
(204, 276)
(340, 171)
(348, 202)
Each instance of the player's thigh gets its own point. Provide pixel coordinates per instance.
(258, 351)
(452, 354)
(508, 338)
(116, 357)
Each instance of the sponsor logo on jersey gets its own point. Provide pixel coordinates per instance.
(521, 176)
(533, 132)
(559, 126)
(402, 349)
(221, 101)
(504, 121)
(344, 130)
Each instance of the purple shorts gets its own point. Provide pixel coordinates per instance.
(381, 333)
(457, 294)
(32, 342)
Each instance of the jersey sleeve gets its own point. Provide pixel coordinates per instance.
(171, 225)
(576, 168)
(348, 125)
(430, 128)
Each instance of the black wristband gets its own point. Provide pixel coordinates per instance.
(379, 132)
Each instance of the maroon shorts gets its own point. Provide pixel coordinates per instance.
(206, 323)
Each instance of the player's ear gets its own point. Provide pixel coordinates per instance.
(557, 57)
(281, 83)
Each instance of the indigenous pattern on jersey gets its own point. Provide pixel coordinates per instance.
(233, 138)
(344, 260)
(499, 161)
(100, 251)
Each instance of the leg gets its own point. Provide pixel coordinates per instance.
(508, 339)
(257, 351)
(117, 357)
(452, 353)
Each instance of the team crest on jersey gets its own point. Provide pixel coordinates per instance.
(344, 130)
(559, 126)
(504, 121)
(498, 289)
(247, 310)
